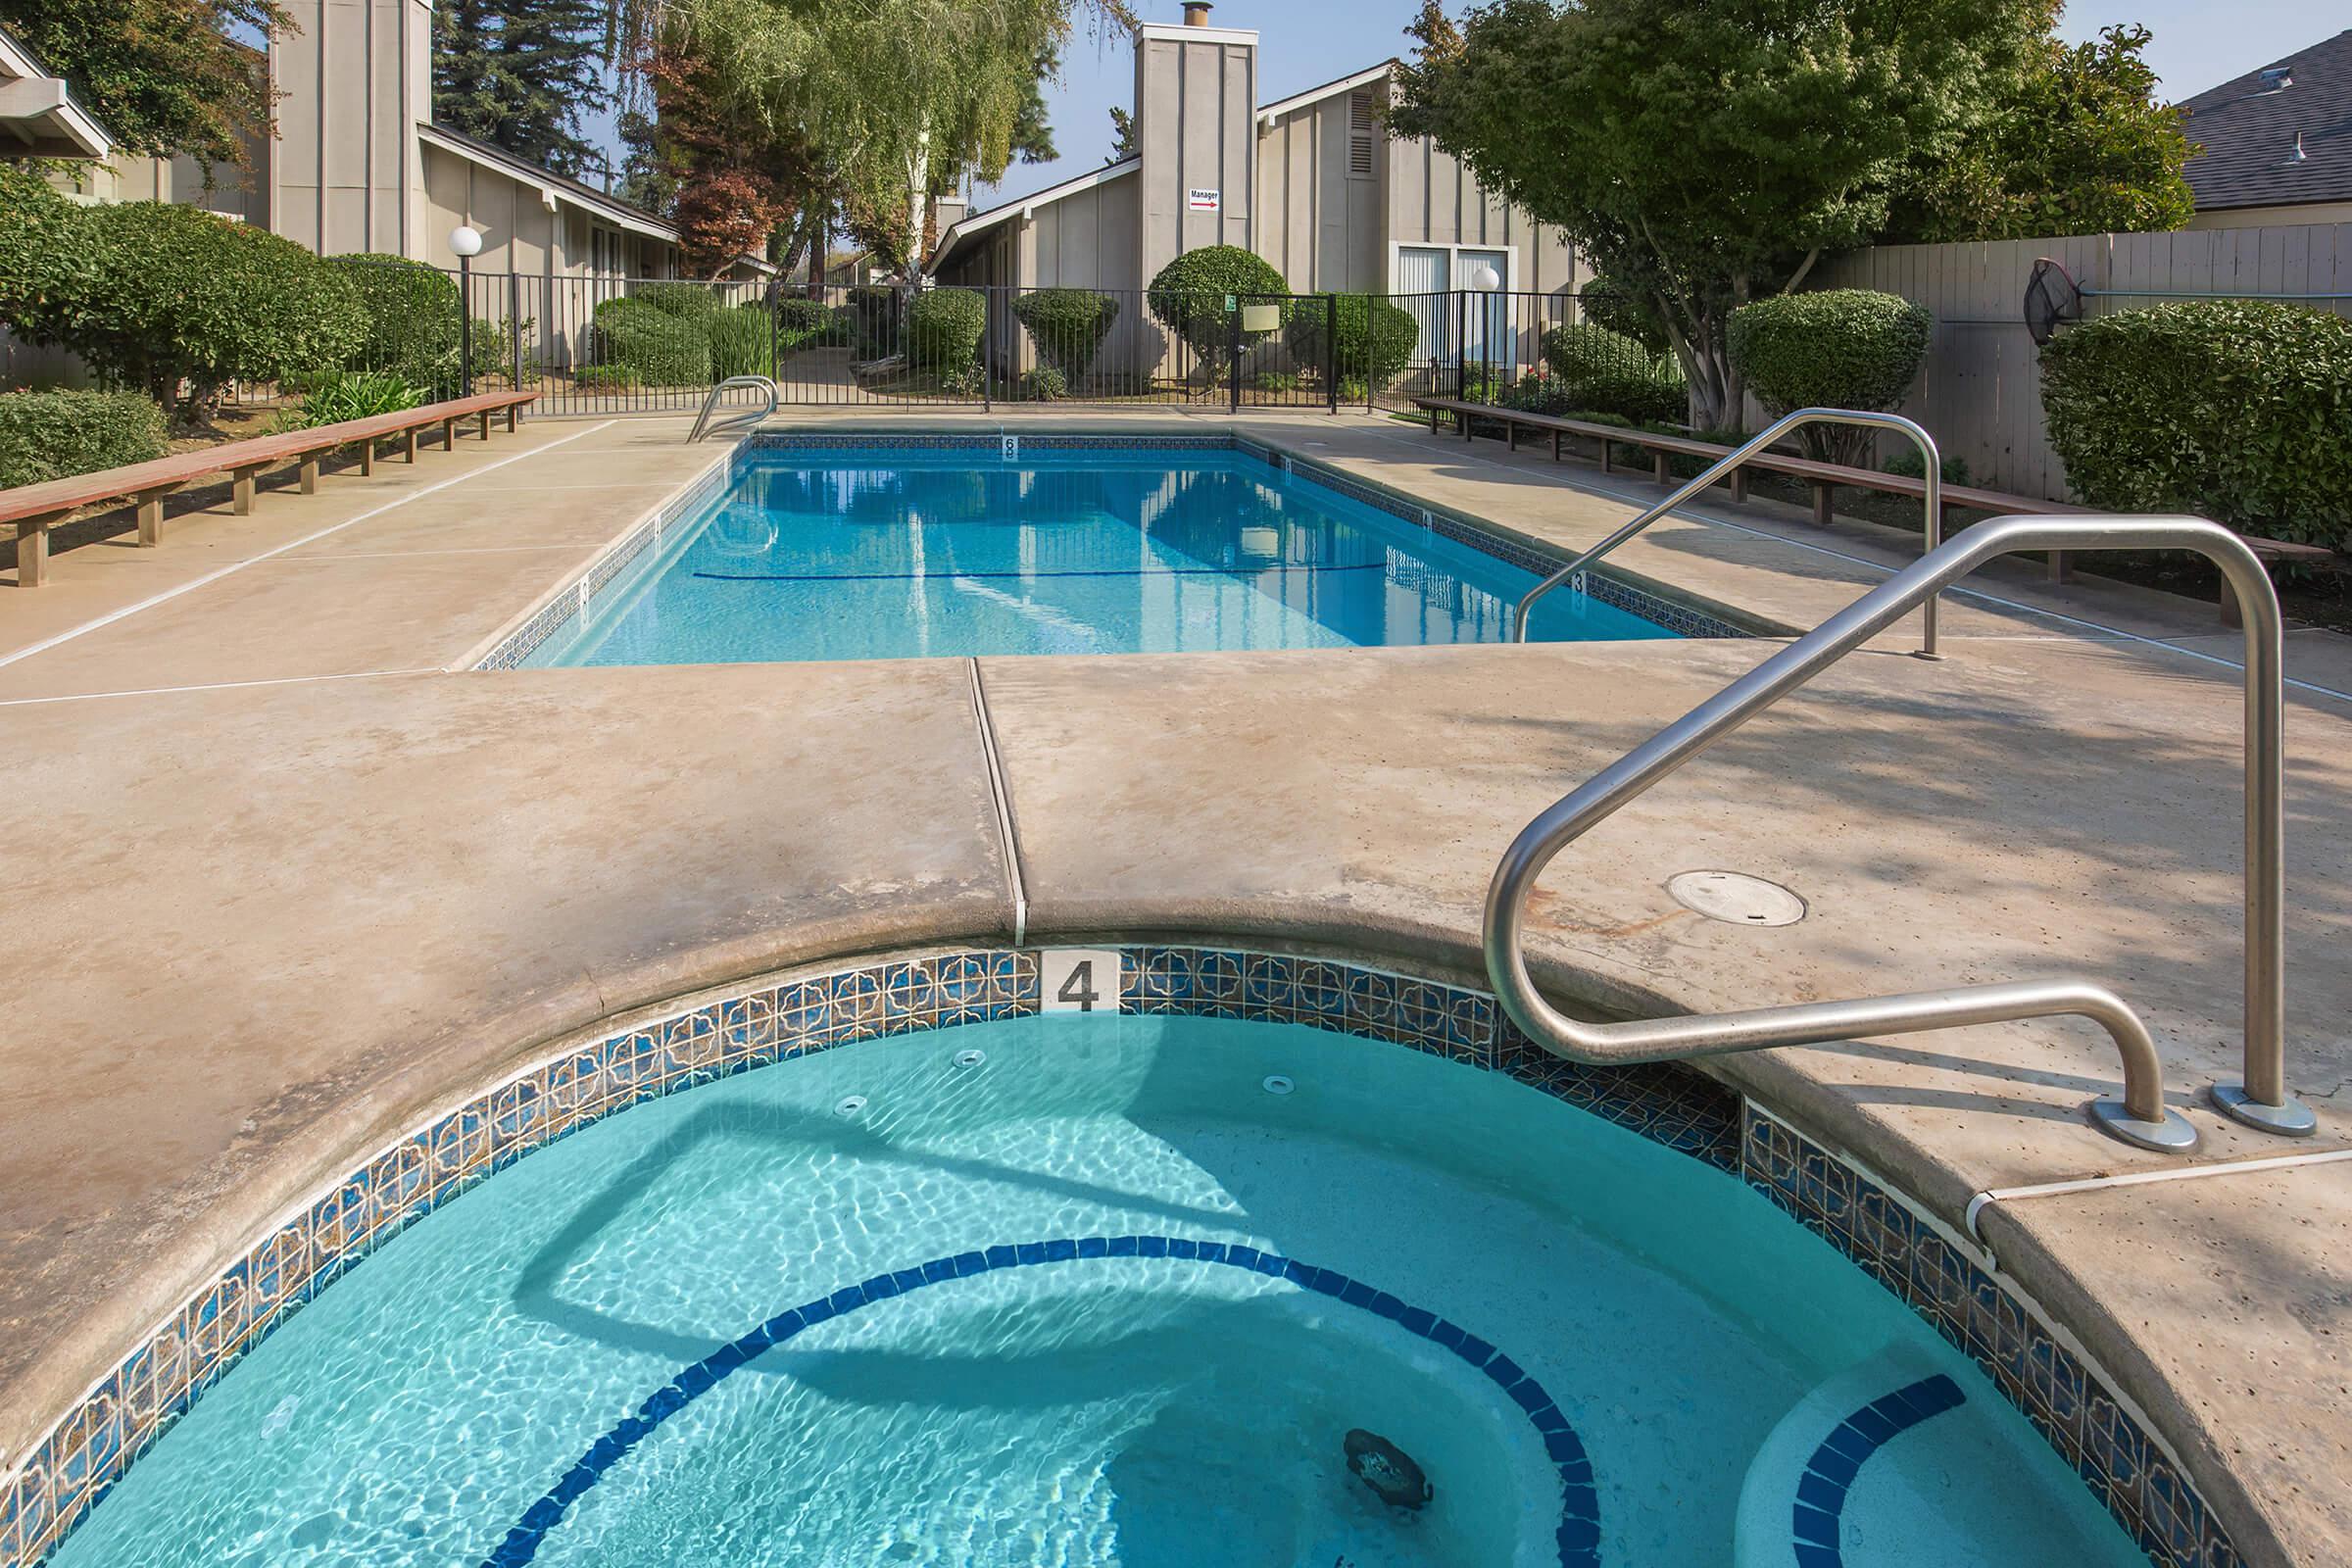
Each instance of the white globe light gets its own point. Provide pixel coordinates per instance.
(465, 240)
(1487, 279)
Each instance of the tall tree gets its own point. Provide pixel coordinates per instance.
(1122, 135)
(2081, 145)
(1704, 155)
(163, 76)
(521, 74)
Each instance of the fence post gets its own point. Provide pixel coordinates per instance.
(515, 322)
(1461, 346)
(1233, 355)
(1330, 346)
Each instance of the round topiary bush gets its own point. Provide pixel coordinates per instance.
(411, 309)
(1601, 371)
(1067, 325)
(56, 435)
(943, 326)
(1188, 298)
(1578, 352)
(180, 302)
(658, 348)
(2234, 409)
(1373, 340)
(687, 301)
(1841, 348)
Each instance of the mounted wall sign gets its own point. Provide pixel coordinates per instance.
(1202, 201)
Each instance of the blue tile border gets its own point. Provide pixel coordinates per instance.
(1578, 1536)
(578, 596)
(73, 1465)
(1830, 1473)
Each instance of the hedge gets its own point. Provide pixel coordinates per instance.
(412, 315)
(1187, 297)
(1067, 325)
(943, 326)
(658, 348)
(2234, 409)
(1841, 348)
(694, 302)
(56, 435)
(1609, 373)
(1374, 339)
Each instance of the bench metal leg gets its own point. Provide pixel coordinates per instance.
(1821, 504)
(309, 473)
(33, 548)
(241, 490)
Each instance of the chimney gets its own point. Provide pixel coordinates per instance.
(1195, 13)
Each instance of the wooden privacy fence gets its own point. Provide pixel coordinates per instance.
(1980, 393)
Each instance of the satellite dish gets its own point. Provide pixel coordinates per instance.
(2052, 299)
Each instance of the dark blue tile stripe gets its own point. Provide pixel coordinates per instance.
(1578, 1536)
(1830, 1473)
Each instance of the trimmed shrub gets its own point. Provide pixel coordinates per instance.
(1910, 464)
(56, 435)
(412, 315)
(2234, 409)
(803, 316)
(943, 326)
(1067, 325)
(1609, 373)
(1608, 305)
(180, 302)
(743, 342)
(604, 377)
(659, 347)
(1189, 297)
(1841, 348)
(46, 263)
(692, 302)
(1373, 339)
(341, 395)
(1041, 385)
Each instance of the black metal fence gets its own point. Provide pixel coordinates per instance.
(620, 345)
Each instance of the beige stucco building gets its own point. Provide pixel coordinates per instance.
(1312, 183)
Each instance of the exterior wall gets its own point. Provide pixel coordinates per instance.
(1321, 222)
(242, 195)
(1433, 201)
(2275, 217)
(1088, 239)
(1195, 94)
(520, 233)
(357, 79)
(1980, 393)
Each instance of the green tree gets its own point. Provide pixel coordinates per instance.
(163, 76)
(1122, 135)
(521, 73)
(2081, 146)
(1703, 156)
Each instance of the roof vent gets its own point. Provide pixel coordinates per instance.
(2278, 78)
(2297, 156)
(1195, 13)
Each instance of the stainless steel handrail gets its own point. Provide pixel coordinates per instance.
(2141, 1117)
(1932, 532)
(702, 421)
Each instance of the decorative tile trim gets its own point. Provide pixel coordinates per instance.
(73, 1465)
(576, 601)
(1830, 1473)
(2067, 1401)
(1578, 1536)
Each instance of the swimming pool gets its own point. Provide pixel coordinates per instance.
(1120, 1292)
(883, 552)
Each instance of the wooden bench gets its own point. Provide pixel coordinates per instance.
(35, 509)
(1824, 479)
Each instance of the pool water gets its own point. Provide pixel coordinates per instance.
(642, 1346)
(919, 552)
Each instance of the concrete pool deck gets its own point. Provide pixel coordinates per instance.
(292, 884)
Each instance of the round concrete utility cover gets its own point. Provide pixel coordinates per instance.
(1735, 900)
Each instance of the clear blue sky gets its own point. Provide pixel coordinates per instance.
(2197, 44)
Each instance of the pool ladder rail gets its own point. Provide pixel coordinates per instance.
(2139, 1117)
(1737, 457)
(702, 421)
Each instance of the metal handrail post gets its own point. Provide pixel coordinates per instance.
(702, 421)
(1930, 532)
(2140, 1117)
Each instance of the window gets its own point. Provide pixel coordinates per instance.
(1363, 130)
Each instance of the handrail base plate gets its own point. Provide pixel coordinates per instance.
(2175, 1135)
(2293, 1119)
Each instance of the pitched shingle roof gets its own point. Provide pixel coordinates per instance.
(2248, 129)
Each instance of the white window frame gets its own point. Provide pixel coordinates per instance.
(1453, 260)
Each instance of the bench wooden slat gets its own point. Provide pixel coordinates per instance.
(1823, 479)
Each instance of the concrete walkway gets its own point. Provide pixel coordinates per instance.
(292, 885)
